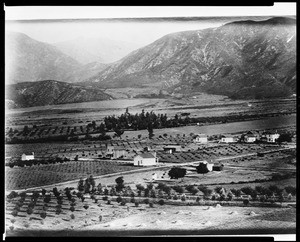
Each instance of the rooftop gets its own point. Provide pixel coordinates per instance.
(147, 155)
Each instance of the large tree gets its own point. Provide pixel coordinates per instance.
(177, 172)
(202, 168)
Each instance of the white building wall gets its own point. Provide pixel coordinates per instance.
(140, 161)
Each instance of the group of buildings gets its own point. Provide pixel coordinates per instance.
(249, 137)
(149, 158)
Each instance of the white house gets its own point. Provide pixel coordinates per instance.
(145, 159)
(200, 138)
(114, 152)
(172, 148)
(270, 136)
(227, 139)
(28, 157)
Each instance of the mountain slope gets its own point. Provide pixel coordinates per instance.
(49, 92)
(86, 50)
(29, 60)
(240, 59)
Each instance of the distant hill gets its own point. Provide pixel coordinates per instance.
(86, 50)
(27, 59)
(243, 59)
(49, 92)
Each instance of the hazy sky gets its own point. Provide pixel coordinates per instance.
(139, 32)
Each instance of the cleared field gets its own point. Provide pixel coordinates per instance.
(26, 177)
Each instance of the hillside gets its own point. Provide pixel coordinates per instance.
(49, 92)
(27, 59)
(243, 59)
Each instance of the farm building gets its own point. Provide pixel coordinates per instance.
(172, 148)
(270, 137)
(218, 167)
(114, 152)
(200, 138)
(28, 157)
(145, 159)
(250, 136)
(228, 139)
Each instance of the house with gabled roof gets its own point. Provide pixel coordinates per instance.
(145, 159)
(270, 136)
(200, 138)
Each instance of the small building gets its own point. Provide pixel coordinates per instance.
(218, 167)
(249, 138)
(27, 157)
(270, 137)
(228, 139)
(200, 138)
(114, 152)
(145, 159)
(172, 148)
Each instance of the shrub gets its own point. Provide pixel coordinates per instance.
(146, 201)
(72, 209)
(151, 204)
(132, 200)
(13, 194)
(183, 198)
(29, 211)
(43, 214)
(58, 211)
(108, 201)
(246, 202)
(290, 189)
(14, 213)
(72, 216)
(123, 203)
(136, 203)
(198, 199)
(105, 198)
(175, 197)
(161, 202)
(86, 206)
(178, 189)
(119, 199)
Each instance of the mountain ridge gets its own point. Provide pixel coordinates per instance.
(235, 59)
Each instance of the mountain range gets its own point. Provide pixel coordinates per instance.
(243, 59)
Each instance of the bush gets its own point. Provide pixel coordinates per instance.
(290, 189)
(43, 214)
(29, 210)
(132, 200)
(151, 204)
(123, 203)
(105, 198)
(14, 213)
(13, 194)
(136, 203)
(72, 216)
(161, 202)
(178, 189)
(108, 201)
(72, 209)
(119, 199)
(58, 211)
(198, 199)
(246, 202)
(175, 197)
(146, 201)
(183, 198)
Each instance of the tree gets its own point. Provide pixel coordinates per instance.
(120, 184)
(118, 132)
(177, 172)
(140, 188)
(284, 138)
(80, 185)
(150, 130)
(202, 168)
